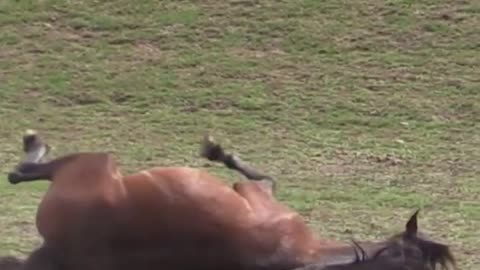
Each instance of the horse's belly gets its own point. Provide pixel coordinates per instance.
(185, 206)
(177, 223)
(181, 219)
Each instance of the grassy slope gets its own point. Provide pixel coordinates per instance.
(364, 110)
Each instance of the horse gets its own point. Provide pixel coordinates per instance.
(177, 217)
(408, 250)
(10, 263)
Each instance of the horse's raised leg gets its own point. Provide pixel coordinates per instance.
(214, 152)
(34, 147)
(33, 166)
(259, 191)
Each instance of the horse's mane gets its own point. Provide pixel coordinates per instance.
(360, 254)
(437, 253)
(423, 250)
(407, 251)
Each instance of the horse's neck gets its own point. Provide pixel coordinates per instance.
(330, 252)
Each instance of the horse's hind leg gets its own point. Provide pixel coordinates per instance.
(214, 152)
(33, 166)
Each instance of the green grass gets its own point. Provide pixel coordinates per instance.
(363, 110)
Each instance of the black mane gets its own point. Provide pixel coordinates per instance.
(400, 254)
(404, 251)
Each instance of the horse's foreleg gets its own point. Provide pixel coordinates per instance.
(257, 194)
(214, 152)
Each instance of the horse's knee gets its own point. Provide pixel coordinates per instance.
(40, 259)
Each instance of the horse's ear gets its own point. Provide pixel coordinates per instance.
(412, 226)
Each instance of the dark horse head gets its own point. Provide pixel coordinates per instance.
(409, 250)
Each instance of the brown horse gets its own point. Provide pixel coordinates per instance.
(93, 217)
(409, 250)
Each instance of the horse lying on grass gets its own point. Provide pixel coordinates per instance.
(408, 250)
(93, 217)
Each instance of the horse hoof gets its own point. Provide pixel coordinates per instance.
(14, 178)
(32, 140)
(212, 151)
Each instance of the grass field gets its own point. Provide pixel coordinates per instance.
(363, 110)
